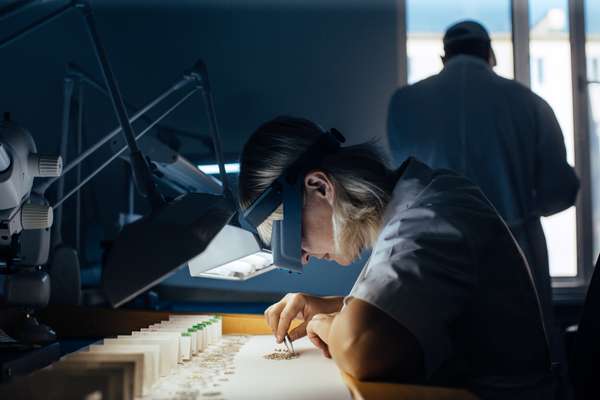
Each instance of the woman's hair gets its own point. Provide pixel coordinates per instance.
(363, 182)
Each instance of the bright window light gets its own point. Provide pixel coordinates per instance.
(213, 169)
(549, 43)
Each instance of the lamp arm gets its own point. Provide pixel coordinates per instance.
(200, 74)
(122, 150)
(68, 86)
(140, 168)
(44, 185)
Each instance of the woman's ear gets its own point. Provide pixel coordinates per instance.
(319, 184)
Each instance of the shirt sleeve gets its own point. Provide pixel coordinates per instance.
(556, 183)
(421, 274)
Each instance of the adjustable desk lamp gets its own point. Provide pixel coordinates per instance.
(175, 231)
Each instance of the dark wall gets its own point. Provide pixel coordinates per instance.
(331, 61)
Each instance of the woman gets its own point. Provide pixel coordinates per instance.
(446, 297)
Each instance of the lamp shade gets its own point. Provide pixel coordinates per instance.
(150, 249)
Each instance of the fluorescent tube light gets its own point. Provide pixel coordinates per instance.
(213, 169)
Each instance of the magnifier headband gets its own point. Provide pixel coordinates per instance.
(287, 189)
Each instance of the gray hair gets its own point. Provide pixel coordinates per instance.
(362, 180)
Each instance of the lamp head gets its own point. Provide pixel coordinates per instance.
(150, 249)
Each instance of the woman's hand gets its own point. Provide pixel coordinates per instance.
(301, 306)
(318, 331)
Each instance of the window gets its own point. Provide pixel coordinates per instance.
(427, 21)
(592, 62)
(549, 40)
(592, 49)
(537, 72)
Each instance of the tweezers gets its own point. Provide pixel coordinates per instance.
(291, 346)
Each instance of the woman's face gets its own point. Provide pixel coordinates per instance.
(317, 224)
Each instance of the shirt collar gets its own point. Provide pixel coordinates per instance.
(414, 176)
(466, 59)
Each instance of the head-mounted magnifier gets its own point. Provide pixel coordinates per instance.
(288, 189)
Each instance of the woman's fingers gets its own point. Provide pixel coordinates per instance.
(299, 331)
(320, 345)
(280, 315)
(320, 324)
(272, 315)
(317, 341)
(293, 306)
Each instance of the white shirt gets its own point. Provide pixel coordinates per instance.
(446, 267)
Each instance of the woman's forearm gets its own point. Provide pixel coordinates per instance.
(368, 344)
(350, 349)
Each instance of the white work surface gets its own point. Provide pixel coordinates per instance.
(310, 376)
(234, 368)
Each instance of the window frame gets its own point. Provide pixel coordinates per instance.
(573, 287)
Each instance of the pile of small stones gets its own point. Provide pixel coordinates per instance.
(280, 354)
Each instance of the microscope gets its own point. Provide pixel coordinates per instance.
(25, 221)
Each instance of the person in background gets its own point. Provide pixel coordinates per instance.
(494, 131)
(446, 297)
